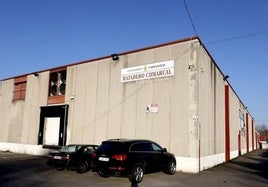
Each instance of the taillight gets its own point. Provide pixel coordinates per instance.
(120, 157)
(94, 155)
(65, 158)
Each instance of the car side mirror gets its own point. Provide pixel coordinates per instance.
(164, 150)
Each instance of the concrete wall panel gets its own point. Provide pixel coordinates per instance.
(145, 96)
(115, 99)
(211, 104)
(36, 96)
(77, 123)
(102, 107)
(6, 96)
(179, 113)
(234, 120)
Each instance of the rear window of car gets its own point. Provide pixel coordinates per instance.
(111, 147)
(70, 148)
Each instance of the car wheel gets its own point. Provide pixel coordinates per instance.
(171, 168)
(137, 173)
(82, 167)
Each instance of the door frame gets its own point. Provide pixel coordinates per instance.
(54, 111)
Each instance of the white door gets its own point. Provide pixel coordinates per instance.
(51, 131)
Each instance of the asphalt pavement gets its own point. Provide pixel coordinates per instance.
(249, 170)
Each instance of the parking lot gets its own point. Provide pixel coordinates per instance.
(27, 170)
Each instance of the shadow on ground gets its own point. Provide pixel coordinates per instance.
(256, 163)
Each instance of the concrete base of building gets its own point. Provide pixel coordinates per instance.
(23, 148)
(184, 164)
(195, 165)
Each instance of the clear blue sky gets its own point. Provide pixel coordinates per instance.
(41, 34)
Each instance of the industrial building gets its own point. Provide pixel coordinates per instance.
(173, 93)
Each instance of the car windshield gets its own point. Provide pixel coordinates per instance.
(69, 149)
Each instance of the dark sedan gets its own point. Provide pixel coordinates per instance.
(77, 157)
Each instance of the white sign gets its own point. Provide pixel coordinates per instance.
(195, 118)
(148, 71)
(152, 108)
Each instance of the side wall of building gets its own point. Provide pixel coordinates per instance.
(213, 131)
(211, 114)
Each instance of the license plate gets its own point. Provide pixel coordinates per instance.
(57, 157)
(105, 159)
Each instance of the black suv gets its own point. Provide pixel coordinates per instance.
(132, 158)
(72, 156)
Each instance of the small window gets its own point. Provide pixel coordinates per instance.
(242, 119)
(57, 87)
(19, 91)
(142, 147)
(156, 148)
(57, 83)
